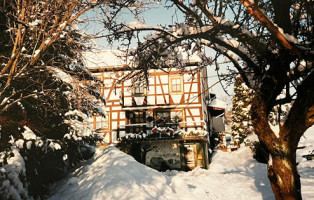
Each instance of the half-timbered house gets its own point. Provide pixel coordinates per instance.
(171, 100)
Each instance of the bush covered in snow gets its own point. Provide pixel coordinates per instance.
(13, 184)
(34, 162)
(162, 132)
(49, 133)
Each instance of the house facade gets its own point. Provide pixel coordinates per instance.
(171, 98)
(169, 102)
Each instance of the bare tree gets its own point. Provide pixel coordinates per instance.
(268, 42)
(40, 46)
(33, 33)
(42, 91)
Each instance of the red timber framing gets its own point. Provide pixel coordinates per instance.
(180, 94)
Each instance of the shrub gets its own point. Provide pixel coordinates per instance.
(260, 152)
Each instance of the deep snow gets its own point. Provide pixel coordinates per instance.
(111, 174)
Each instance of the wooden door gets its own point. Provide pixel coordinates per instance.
(190, 156)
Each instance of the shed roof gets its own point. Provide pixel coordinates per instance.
(216, 103)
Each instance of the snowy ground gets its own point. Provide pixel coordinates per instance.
(112, 174)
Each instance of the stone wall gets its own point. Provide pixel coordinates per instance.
(164, 155)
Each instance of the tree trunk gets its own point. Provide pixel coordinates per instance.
(284, 177)
(282, 168)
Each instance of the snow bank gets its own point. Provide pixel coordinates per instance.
(115, 175)
(305, 167)
(111, 174)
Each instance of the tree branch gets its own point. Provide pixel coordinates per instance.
(254, 10)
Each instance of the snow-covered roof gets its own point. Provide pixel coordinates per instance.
(114, 58)
(216, 103)
(104, 58)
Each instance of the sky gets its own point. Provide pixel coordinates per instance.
(155, 16)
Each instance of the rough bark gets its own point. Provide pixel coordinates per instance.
(282, 168)
(283, 176)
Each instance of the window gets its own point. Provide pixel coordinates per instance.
(139, 89)
(135, 129)
(176, 116)
(139, 117)
(162, 118)
(136, 122)
(100, 122)
(162, 115)
(176, 84)
(136, 117)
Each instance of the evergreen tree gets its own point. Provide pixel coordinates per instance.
(241, 104)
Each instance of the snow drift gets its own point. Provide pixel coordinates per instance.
(112, 174)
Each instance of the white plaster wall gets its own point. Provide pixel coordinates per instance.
(127, 82)
(164, 79)
(187, 78)
(151, 80)
(176, 98)
(127, 91)
(116, 107)
(151, 100)
(114, 135)
(108, 82)
(167, 99)
(122, 115)
(195, 111)
(189, 119)
(159, 91)
(186, 98)
(197, 119)
(193, 98)
(160, 99)
(165, 87)
(127, 101)
(194, 87)
(106, 138)
(151, 90)
(106, 92)
(157, 80)
(107, 75)
(187, 87)
(115, 94)
(114, 125)
(114, 115)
